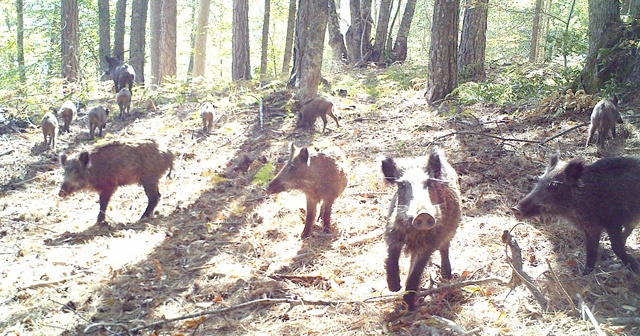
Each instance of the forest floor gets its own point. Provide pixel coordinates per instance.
(222, 257)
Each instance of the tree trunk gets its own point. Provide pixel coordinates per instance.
(200, 56)
(604, 32)
(240, 65)
(367, 21)
(311, 25)
(354, 33)
(389, 46)
(634, 9)
(265, 38)
(336, 39)
(138, 37)
(20, 40)
(443, 66)
(381, 31)
(192, 37)
(155, 16)
(400, 46)
(535, 33)
(118, 33)
(104, 24)
(473, 41)
(168, 39)
(288, 46)
(69, 36)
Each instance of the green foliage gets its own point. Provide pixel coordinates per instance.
(264, 175)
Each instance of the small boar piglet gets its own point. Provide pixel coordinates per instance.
(423, 217)
(321, 176)
(106, 167)
(314, 108)
(123, 98)
(68, 111)
(603, 196)
(49, 126)
(98, 117)
(604, 117)
(206, 113)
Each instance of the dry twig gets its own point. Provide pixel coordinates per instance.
(587, 311)
(560, 287)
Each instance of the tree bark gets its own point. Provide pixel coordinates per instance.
(137, 40)
(265, 37)
(604, 32)
(310, 28)
(381, 31)
(336, 39)
(389, 46)
(200, 56)
(155, 27)
(634, 9)
(104, 34)
(168, 39)
(288, 46)
(20, 40)
(240, 65)
(354, 33)
(69, 28)
(443, 52)
(535, 33)
(118, 33)
(400, 46)
(473, 41)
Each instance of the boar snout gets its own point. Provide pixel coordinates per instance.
(424, 221)
(63, 193)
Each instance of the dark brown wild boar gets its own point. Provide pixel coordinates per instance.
(98, 117)
(68, 111)
(206, 113)
(321, 176)
(49, 126)
(424, 216)
(604, 117)
(603, 196)
(314, 108)
(123, 74)
(106, 167)
(123, 98)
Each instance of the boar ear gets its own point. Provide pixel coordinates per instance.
(84, 158)
(434, 165)
(574, 169)
(389, 170)
(63, 159)
(553, 161)
(614, 100)
(303, 155)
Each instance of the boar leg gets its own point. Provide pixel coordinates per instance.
(153, 195)
(105, 197)
(330, 113)
(592, 131)
(325, 212)
(312, 205)
(445, 264)
(618, 239)
(418, 263)
(592, 241)
(324, 122)
(393, 270)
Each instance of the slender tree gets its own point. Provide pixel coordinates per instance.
(473, 40)
(168, 39)
(443, 52)
(336, 39)
(354, 33)
(137, 40)
(381, 31)
(309, 40)
(155, 27)
(265, 37)
(104, 33)
(288, 45)
(535, 33)
(389, 46)
(118, 33)
(400, 46)
(69, 27)
(20, 40)
(240, 66)
(200, 50)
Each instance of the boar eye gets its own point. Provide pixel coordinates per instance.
(554, 184)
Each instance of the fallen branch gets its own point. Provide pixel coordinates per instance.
(563, 133)
(49, 283)
(460, 284)
(516, 266)
(587, 311)
(8, 152)
(560, 287)
(452, 325)
(363, 239)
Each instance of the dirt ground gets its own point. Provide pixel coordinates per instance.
(222, 257)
